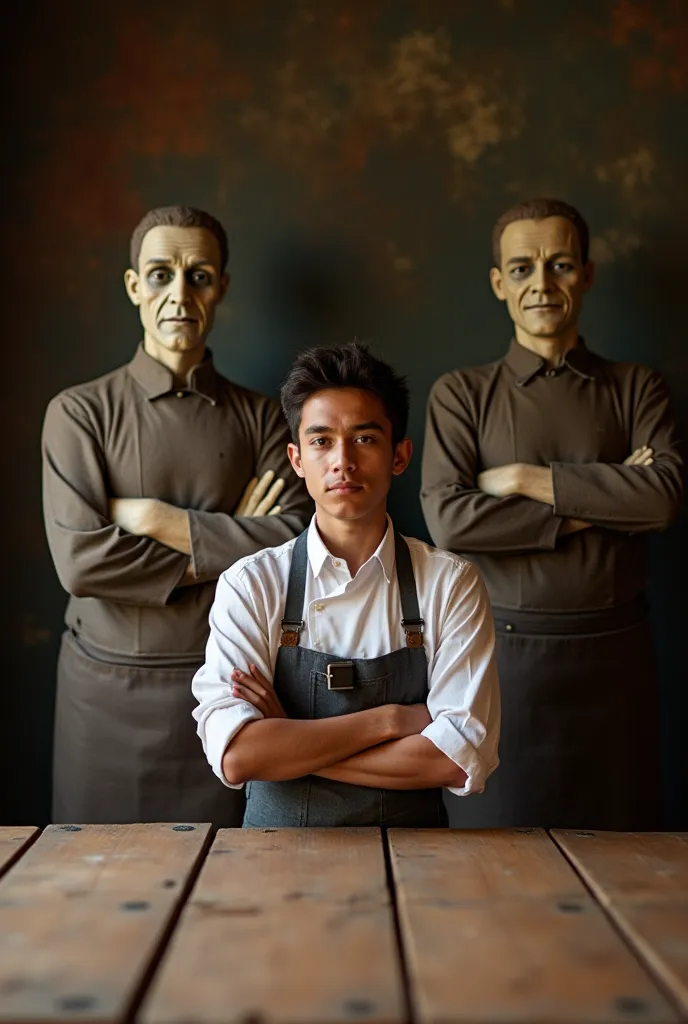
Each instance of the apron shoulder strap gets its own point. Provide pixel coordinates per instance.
(292, 622)
(411, 621)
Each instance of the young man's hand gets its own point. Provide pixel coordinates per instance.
(256, 689)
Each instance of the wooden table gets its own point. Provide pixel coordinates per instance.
(157, 923)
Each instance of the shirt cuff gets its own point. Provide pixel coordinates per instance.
(566, 493)
(219, 729)
(447, 738)
(211, 551)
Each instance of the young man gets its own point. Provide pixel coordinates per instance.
(143, 475)
(349, 674)
(550, 467)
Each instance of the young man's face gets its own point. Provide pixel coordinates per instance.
(345, 452)
(542, 277)
(178, 284)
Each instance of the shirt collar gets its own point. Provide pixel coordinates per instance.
(526, 364)
(318, 553)
(156, 380)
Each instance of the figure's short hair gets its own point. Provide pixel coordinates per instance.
(177, 217)
(538, 209)
(350, 366)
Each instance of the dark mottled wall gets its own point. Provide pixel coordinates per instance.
(358, 153)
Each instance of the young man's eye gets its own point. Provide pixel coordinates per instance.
(520, 271)
(199, 277)
(318, 442)
(563, 268)
(364, 439)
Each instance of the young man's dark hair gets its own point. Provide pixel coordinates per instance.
(540, 209)
(177, 217)
(351, 366)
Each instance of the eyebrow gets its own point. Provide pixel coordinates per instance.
(368, 425)
(529, 259)
(161, 261)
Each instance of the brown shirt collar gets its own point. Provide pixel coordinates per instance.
(156, 380)
(526, 364)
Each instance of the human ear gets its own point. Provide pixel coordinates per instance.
(294, 454)
(224, 285)
(403, 451)
(131, 283)
(497, 282)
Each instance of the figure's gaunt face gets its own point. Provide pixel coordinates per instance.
(177, 286)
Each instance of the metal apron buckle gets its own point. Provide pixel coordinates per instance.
(414, 631)
(291, 631)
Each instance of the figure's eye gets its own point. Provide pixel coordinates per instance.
(201, 278)
(161, 275)
(520, 270)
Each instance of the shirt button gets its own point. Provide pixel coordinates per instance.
(336, 563)
(318, 643)
(551, 373)
(320, 607)
(509, 628)
(180, 394)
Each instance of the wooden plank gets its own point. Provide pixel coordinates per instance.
(496, 927)
(629, 865)
(289, 925)
(14, 840)
(642, 880)
(83, 915)
(453, 865)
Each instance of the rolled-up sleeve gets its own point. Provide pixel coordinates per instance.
(463, 697)
(238, 638)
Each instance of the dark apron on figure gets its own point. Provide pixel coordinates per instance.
(126, 748)
(579, 744)
(302, 685)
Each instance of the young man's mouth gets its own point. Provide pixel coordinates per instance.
(345, 488)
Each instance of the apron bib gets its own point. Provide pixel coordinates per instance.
(302, 685)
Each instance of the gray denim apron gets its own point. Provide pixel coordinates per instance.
(301, 683)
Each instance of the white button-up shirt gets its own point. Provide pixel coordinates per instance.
(359, 617)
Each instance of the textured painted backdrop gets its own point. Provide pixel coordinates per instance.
(358, 154)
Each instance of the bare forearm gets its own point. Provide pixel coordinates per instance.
(534, 482)
(537, 483)
(410, 763)
(276, 749)
(169, 525)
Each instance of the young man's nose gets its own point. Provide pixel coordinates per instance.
(343, 456)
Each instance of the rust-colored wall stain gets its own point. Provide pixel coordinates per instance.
(321, 92)
(665, 26)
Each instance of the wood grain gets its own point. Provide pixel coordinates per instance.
(642, 880)
(83, 915)
(497, 927)
(14, 841)
(292, 925)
